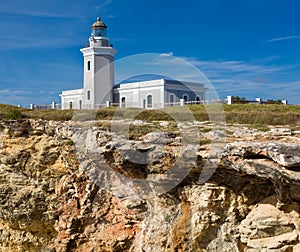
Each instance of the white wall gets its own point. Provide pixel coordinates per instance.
(99, 80)
(136, 93)
(72, 96)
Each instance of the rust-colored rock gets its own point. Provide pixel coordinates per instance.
(58, 195)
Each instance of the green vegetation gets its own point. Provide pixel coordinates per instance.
(14, 114)
(272, 101)
(205, 130)
(254, 114)
(70, 142)
(237, 98)
(205, 141)
(8, 112)
(49, 114)
(266, 114)
(136, 131)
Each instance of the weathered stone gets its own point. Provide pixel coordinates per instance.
(280, 131)
(66, 188)
(287, 155)
(268, 227)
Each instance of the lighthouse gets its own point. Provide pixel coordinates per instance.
(99, 87)
(98, 69)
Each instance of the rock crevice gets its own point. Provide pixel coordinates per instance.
(58, 195)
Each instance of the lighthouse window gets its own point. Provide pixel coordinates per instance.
(103, 33)
(99, 32)
(88, 95)
(88, 65)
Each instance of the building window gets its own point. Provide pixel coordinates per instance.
(123, 102)
(149, 101)
(172, 98)
(88, 65)
(185, 97)
(88, 95)
(71, 105)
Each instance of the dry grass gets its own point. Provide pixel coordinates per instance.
(238, 113)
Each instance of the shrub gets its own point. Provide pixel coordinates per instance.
(14, 114)
(70, 142)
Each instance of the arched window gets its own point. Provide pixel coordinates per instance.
(149, 101)
(185, 97)
(172, 98)
(71, 105)
(123, 102)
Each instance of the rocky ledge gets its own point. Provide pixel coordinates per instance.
(65, 187)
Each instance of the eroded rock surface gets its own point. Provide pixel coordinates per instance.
(67, 188)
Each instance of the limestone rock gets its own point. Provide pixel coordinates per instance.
(72, 187)
(267, 227)
(286, 155)
(280, 131)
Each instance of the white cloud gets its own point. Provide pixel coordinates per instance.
(15, 92)
(5, 91)
(103, 5)
(235, 66)
(256, 78)
(122, 39)
(285, 38)
(35, 13)
(41, 43)
(26, 96)
(167, 54)
(110, 16)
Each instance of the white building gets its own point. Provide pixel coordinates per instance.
(99, 86)
(157, 93)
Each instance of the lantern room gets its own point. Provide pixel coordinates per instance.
(98, 28)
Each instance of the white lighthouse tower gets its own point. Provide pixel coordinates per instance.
(99, 85)
(98, 68)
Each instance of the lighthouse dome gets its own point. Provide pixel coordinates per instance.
(98, 28)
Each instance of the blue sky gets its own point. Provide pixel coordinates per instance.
(248, 48)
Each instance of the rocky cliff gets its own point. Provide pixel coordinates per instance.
(65, 187)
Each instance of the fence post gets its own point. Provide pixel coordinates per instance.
(182, 102)
(53, 105)
(229, 99)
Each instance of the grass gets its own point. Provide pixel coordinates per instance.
(14, 114)
(205, 130)
(252, 114)
(70, 142)
(136, 131)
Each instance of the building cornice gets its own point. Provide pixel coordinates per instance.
(98, 51)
